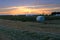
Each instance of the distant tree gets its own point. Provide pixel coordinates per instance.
(54, 13)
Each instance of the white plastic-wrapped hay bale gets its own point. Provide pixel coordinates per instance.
(40, 18)
(29, 15)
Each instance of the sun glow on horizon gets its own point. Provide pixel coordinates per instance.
(18, 7)
(27, 10)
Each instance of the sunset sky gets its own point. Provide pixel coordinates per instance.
(16, 7)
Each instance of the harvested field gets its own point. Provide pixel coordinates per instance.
(31, 26)
(17, 30)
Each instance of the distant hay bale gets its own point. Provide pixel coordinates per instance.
(40, 18)
(29, 15)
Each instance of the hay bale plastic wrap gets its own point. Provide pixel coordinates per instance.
(27, 15)
(40, 18)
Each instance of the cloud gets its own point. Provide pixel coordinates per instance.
(29, 9)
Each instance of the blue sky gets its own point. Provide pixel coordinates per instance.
(27, 2)
(54, 5)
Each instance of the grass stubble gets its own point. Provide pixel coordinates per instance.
(16, 30)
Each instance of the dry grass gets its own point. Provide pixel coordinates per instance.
(31, 26)
(11, 30)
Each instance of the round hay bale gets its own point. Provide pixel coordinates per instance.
(29, 15)
(40, 18)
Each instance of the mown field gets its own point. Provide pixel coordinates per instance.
(26, 28)
(7, 33)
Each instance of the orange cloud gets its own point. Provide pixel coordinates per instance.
(25, 10)
(28, 10)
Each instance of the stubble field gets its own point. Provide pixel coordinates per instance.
(17, 30)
